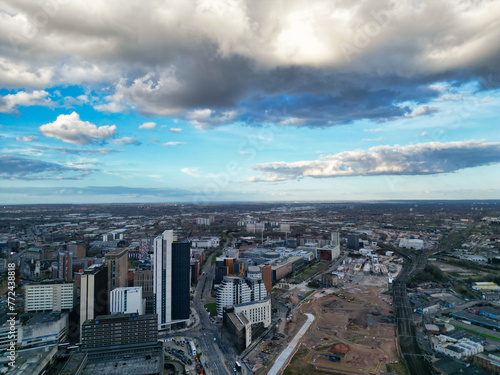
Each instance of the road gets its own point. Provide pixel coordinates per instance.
(218, 351)
(285, 355)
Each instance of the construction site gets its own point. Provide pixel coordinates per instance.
(354, 331)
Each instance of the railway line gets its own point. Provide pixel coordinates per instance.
(410, 351)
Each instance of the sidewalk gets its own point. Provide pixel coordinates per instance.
(196, 324)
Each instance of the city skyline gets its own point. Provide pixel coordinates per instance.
(116, 102)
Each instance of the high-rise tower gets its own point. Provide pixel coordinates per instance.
(171, 280)
(93, 292)
(117, 261)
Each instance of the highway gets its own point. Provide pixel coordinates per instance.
(410, 350)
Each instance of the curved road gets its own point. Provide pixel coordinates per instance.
(290, 349)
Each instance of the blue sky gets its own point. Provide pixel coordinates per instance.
(111, 101)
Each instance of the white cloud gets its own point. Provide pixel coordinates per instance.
(379, 139)
(27, 138)
(419, 159)
(71, 129)
(125, 141)
(175, 130)
(151, 94)
(199, 114)
(191, 172)
(147, 125)
(422, 110)
(293, 121)
(15, 73)
(77, 151)
(373, 130)
(174, 143)
(205, 118)
(10, 102)
(194, 172)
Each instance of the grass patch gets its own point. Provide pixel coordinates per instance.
(217, 253)
(324, 346)
(479, 333)
(308, 294)
(212, 308)
(308, 272)
(399, 368)
(205, 258)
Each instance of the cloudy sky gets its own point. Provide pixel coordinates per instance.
(197, 101)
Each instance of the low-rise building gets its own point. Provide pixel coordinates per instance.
(489, 312)
(244, 321)
(459, 349)
(9, 333)
(490, 362)
(328, 253)
(329, 279)
(459, 334)
(411, 243)
(49, 328)
(474, 258)
(490, 291)
(256, 312)
(238, 329)
(37, 361)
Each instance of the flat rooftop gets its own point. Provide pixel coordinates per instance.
(47, 317)
(135, 361)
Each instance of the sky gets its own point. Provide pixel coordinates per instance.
(119, 101)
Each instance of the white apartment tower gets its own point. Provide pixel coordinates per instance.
(236, 290)
(162, 283)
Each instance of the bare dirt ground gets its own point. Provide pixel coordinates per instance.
(448, 267)
(356, 315)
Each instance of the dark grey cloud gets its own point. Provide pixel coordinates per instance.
(316, 64)
(419, 159)
(13, 167)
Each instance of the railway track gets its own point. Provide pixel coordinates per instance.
(410, 351)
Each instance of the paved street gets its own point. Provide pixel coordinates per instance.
(215, 352)
(284, 357)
